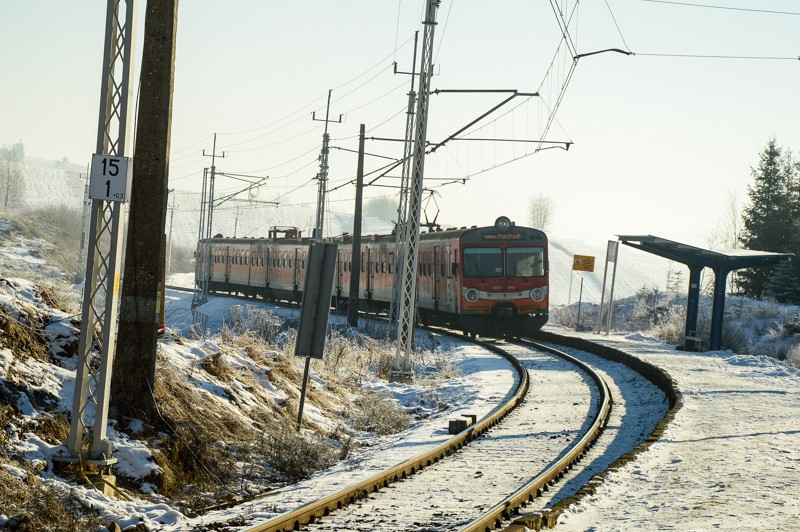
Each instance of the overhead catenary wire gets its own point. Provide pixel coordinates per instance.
(727, 8)
(614, 18)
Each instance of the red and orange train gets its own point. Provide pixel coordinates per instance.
(489, 281)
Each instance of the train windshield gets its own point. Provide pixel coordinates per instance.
(483, 262)
(525, 262)
(494, 262)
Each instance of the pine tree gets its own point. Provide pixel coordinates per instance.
(770, 221)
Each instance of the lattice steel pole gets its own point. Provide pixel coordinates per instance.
(405, 326)
(87, 440)
(402, 206)
(322, 176)
(201, 261)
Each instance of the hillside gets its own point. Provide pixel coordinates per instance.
(50, 184)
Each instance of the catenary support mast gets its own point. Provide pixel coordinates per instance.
(87, 442)
(402, 206)
(405, 326)
(322, 176)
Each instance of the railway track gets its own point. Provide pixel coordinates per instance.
(518, 457)
(520, 472)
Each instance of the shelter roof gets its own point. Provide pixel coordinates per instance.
(691, 255)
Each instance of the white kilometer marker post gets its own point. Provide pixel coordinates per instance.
(110, 178)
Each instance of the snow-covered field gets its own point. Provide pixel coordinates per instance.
(729, 460)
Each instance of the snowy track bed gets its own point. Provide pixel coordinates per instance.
(638, 407)
(548, 429)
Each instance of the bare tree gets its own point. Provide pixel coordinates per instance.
(12, 184)
(726, 235)
(541, 208)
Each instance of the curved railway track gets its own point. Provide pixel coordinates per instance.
(525, 500)
(513, 453)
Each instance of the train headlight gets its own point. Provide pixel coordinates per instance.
(503, 223)
(471, 295)
(537, 294)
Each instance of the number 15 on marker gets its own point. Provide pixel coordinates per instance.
(110, 178)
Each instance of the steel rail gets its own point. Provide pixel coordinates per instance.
(312, 511)
(540, 483)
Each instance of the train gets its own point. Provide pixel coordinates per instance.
(489, 281)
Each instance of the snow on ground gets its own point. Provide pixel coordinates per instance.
(729, 460)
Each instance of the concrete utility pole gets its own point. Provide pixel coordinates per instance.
(355, 257)
(87, 443)
(405, 326)
(135, 362)
(322, 176)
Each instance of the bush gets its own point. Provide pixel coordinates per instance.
(793, 355)
(379, 415)
(295, 456)
(671, 326)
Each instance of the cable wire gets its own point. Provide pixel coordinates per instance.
(617, 25)
(728, 8)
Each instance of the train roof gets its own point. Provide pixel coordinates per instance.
(502, 230)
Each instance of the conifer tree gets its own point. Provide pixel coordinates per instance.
(770, 220)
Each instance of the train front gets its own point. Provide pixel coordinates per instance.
(504, 280)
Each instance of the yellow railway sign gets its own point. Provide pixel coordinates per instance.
(584, 263)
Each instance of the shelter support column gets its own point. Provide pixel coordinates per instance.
(693, 299)
(718, 307)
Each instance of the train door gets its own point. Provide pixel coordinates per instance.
(451, 286)
(435, 277)
(227, 264)
(370, 273)
(341, 258)
(268, 268)
(250, 258)
(296, 269)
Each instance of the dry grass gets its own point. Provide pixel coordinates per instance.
(209, 452)
(33, 506)
(22, 334)
(379, 415)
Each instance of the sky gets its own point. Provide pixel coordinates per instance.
(652, 134)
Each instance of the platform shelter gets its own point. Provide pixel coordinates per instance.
(721, 262)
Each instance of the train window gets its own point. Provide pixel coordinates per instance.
(525, 261)
(483, 262)
(391, 262)
(383, 262)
